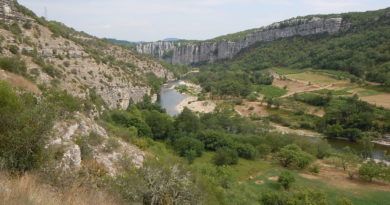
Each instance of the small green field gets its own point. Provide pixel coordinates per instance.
(270, 91)
(334, 92)
(314, 78)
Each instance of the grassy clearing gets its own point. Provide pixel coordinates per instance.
(314, 78)
(270, 91)
(287, 71)
(365, 93)
(334, 92)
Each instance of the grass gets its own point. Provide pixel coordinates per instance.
(365, 93)
(287, 71)
(27, 189)
(359, 196)
(334, 92)
(314, 78)
(270, 91)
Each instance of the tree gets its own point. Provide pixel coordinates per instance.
(246, 151)
(225, 156)
(293, 154)
(184, 145)
(370, 170)
(286, 179)
(187, 121)
(160, 124)
(368, 146)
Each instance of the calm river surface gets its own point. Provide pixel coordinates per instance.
(170, 98)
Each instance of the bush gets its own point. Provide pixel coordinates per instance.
(263, 150)
(184, 145)
(24, 126)
(111, 145)
(27, 25)
(13, 64)
(370, 170)
(286, 179)
(15, 29)
(51, 71)
(158, 182)
(246, 151)
(225, 156)
(13, 49)
(293, 155)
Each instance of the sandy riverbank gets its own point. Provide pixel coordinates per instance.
(196, 106)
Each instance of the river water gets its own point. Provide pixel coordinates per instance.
(170, 98)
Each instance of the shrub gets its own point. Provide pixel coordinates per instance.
(85, 149)
(51, 71)
(263, 150)
(13, 64)
(66, 63)
(27, 25)
(24, 126)
(225, 156)
(370, 170)
(186, 144)
(315, 168)
(15, 29)
(293, 155)
(286, 179)
(95, 139)
(246, 151)
(13, 49)
(111, 145)
(158, 182)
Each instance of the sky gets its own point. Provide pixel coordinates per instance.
(152, 20)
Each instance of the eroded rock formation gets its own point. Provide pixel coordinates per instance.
(210, 51)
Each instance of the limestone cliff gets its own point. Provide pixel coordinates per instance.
(212, 50)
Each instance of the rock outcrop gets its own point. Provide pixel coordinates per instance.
(66, 133)
(210, 51)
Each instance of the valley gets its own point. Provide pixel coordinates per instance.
(297, 112)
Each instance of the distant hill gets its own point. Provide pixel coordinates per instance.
(172, 39)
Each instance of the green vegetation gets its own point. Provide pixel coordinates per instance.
(13, 64)
(222, 84)
(270, 91)
(24, 126)
(285, 179)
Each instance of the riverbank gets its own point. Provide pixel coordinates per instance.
(191, 103)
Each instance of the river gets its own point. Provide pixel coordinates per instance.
(170, 98)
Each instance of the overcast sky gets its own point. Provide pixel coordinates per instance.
(151, 20)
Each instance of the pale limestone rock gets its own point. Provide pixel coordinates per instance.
(210, 51)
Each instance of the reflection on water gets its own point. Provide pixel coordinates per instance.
(379, 151)
(170, 98)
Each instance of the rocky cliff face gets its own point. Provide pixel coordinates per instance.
(210, 51)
